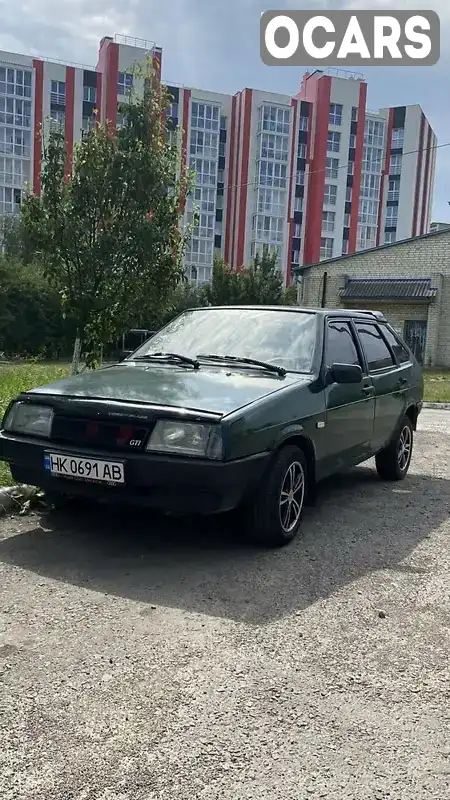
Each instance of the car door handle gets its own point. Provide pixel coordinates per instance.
(403, 381)
(368, 389)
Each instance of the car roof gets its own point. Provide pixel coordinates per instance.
(325, 312)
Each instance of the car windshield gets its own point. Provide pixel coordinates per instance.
(284, 338)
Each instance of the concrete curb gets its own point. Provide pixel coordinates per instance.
(439, 406)
(15, 498)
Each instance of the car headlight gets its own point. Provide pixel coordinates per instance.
(186, 438)
(30, 419)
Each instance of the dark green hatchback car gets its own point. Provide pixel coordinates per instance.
(225, 408)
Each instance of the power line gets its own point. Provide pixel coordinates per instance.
(321, 171)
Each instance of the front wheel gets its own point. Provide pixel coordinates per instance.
(393, 462)
(274, 516)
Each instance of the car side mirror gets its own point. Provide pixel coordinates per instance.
(346, 373)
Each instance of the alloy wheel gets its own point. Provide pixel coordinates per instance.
(292, 496)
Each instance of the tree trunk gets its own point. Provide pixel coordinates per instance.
(76, 355)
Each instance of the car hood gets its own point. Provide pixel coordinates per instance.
(210, 389)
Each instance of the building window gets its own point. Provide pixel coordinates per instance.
(398, 135)
(296, 256)
(354, 114)
(395, 166)
(390, 237)
(344, 247)
(328, 221)
(351, 168)
(300, 177)
(223, 123)
(326, 248)
(268, 229)
(199, 251)
(330, 194)
(205, 116)
(391, 216)
(271, 201)
(15, 142)
(333, 142)
(15, 82)
(372, 159)
(15, 112)
(348, 194)
(205, 225)
(89, 94)
(206, 171)
(374, 133)
(352, 141)
(368, 212)
(332, 168)
(304, 122)
(58, 93)
(346, 220)
(297, 230)
(394, 189)
(172, 111)
(274, 119)
(272, 173)
(335, 114)
(370, 187)
(57, 118)
(204, 144)
(301, 151)
(274, 147)
(14, 171)
(124, 83)
(222, 149)
(298, 205)
(203, 198)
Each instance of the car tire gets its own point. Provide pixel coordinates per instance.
(393, 462)
(274, 515)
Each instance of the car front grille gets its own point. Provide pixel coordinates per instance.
(114, 436)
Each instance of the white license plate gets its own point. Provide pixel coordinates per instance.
(84, 469)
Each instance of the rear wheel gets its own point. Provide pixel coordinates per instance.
(274, 516)
(393, 462)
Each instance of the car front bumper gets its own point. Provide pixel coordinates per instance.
(183, 485)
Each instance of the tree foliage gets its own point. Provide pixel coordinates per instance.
(31, 318)
(108, 230)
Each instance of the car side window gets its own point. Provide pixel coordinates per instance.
(340, 345)
(377, 353)
(396, 345)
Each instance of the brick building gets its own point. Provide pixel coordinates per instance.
(409, 281)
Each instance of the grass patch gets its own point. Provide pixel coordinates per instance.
(437, 386)
(16, 378)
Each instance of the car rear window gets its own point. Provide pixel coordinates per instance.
(377, 353)
(401, 353)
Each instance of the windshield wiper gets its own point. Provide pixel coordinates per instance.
(177, 357)
(250, 361)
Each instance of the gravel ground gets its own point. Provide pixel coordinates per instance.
(143, 659)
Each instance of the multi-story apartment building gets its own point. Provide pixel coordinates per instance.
(309, 177)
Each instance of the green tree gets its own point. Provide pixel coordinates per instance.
(31, 318)
(108, 231)
(259, 284)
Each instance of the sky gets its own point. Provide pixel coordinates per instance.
(214, 44)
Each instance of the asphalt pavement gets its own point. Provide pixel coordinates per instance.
(144, 658)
